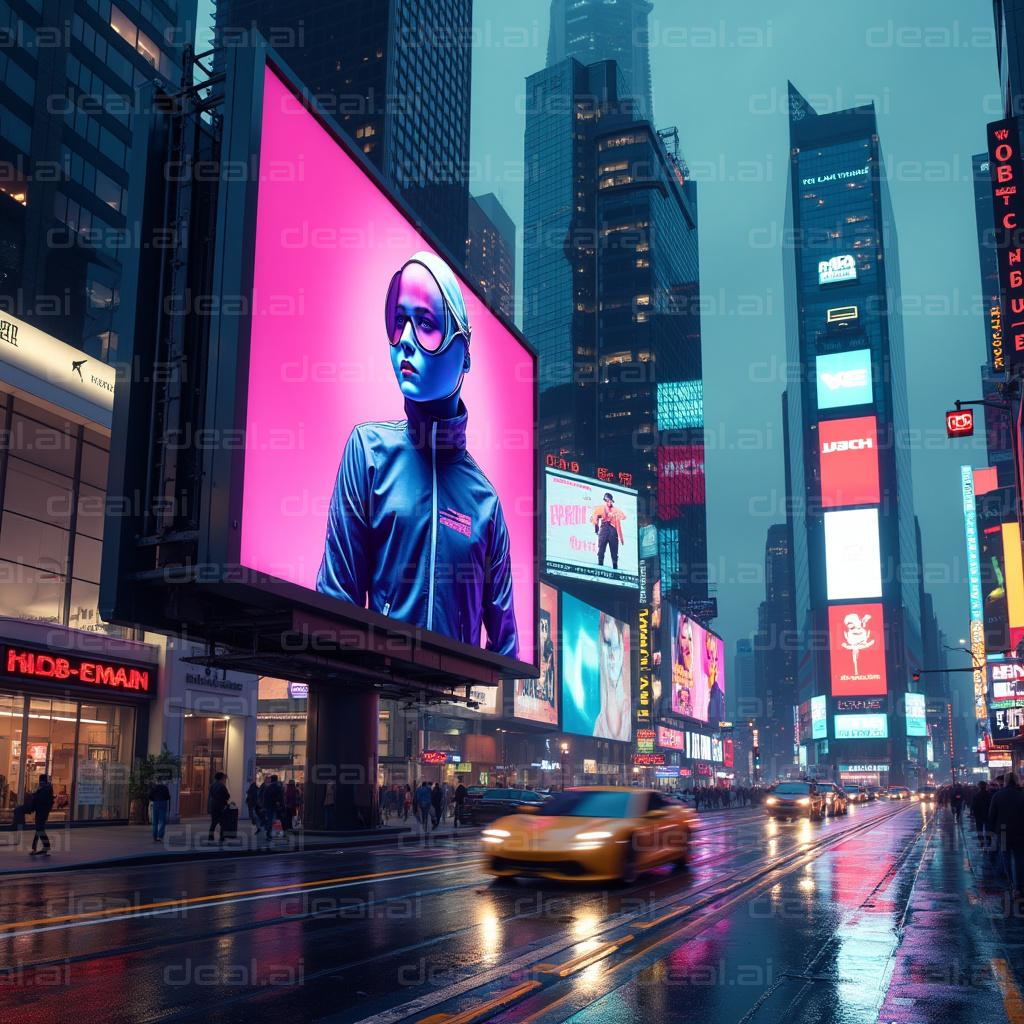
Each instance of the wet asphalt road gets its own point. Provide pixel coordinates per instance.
(773, 921)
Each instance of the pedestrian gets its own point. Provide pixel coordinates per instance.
(957, 803)
(407, 802)
(40, 804)
(217, 802)
(423, 804)
(273, 806)
(460, 803)
(1006, 825)
(160, 797)
(252, 802)
(329, 791)
(436, 803)
(300, 797)
(980, 803)
(291, 804)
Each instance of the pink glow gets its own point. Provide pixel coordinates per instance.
(328, 242)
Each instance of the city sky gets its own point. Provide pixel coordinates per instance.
(720, 74)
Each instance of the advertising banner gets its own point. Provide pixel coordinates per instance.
(844, 378)
(861, 727)
(917, 715)
(849, 462)
(680, 479)
(698, 670)
(1007, 171)
(819, 717)
(853, 561)
(974, 591)
(591, 529)
(536, 700)
(670, 739)
(597, 689)
(857, 649)
(395, 466)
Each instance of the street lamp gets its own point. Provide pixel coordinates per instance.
(564, 748)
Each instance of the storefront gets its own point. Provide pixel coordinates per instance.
(281, 729)
(75, 707)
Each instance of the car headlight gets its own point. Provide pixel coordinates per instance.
(494, 835)
(772, 800)
(804, 801)
(589, 837)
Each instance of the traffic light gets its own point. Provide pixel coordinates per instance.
(916, 676)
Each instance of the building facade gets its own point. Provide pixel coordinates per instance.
(396, 78)
(491, 253)
(855, 553)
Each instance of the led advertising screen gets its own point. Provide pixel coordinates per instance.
(856, 634)
(837, 269)
(861, 727)
(917, 716)
(591, 529)
(536, 700)
(819, 717)
(698, 670)
(844, 378)
(390, 455)
(849, 462)
(680, 478)
(596, 672)
(853, 565)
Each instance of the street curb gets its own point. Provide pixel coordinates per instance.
(231, 853)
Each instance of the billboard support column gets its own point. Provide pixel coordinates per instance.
(341, 748)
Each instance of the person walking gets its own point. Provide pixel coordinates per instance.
(460, 803)
(160, 798)
(291, 805)
(40, 804)
(273, 806)
(423, 804)
(406, 802)
(252, 802)
(980, 804)
(329, 794)
(217, 802)
(436, 803)
(957, 803)
(1006, 825)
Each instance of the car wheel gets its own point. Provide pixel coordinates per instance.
(629, 872)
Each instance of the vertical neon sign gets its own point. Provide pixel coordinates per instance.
(974, 590)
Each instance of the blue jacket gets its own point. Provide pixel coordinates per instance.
(417, 528)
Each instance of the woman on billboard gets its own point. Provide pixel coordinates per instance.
(682, 667)
(415, 529)
(612, 721)
(716, 695)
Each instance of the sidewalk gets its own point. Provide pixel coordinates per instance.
(122, 845)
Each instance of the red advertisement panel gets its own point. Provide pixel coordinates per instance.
(857, 648)
(680, 478)
(849, 461)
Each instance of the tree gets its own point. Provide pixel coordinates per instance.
(164, 766)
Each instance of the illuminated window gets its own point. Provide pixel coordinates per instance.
(681, 405)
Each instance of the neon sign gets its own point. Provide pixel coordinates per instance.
(72, 668)
(1007, 173)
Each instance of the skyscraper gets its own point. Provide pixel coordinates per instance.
(1009, 19)
(855, 553)
(67, 91)
(593, 30)
(396, 78)
(491, 252)
(611, 301)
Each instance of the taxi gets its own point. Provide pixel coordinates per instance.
(593, 834)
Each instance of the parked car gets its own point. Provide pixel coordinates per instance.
(836, 801)
(595, 834)
(485, 807)
(796, 800)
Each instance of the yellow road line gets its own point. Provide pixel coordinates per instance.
(1013, 1002)
(501, 1000)
(577, 963)
(221, 897)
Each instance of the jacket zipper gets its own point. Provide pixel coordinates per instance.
(433, 524)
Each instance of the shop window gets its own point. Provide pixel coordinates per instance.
(12, 712)
(91, 503)
(37, 492)
(50, 749)
(87, 559)
(104, 756)
(29, 593)
(33, 543)
(43, 444)
(203, 753)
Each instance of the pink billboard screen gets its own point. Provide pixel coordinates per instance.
(698, 670)
(390, 461)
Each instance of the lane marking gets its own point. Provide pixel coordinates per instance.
(474, 1013)
(1013, 1003)
(578, 963)
(45, 924)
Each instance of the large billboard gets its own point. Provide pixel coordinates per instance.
(861, 727)
(597, 690)
(389, 415)
(844, 378)
(1007, 169)
(591, 529)
(697, 670)
(857, 649)
(819, 717)
(853, 565)
(536, 700)
(917, 717)
(849, 461)
(680, 478)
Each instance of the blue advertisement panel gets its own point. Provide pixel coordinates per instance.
(861, 727)
(917, 721)
(844, 378)
(597, 688)
(819, 717)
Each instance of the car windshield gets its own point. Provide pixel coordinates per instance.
(589, 805)
(793, 789)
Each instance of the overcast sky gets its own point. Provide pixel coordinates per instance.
(931, 70)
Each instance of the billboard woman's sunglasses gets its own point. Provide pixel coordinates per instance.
(430, 337)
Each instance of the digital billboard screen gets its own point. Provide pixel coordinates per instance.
(591, 529)
(861, 727)
(597, 688)
(697, 670)
(536, 700)
(856, 634)
(917, 715)
(394, 469)
(680, 479)
(853, 564)
(844, 378)
(819, 717)
(849, 461)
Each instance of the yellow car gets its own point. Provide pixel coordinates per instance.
(594, 834)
